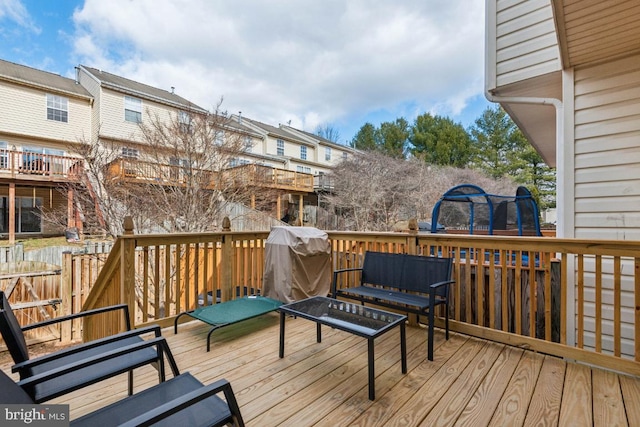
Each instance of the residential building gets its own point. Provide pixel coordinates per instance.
(47, 115)
(43, 116)
(568, 73)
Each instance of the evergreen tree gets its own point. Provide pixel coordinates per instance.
(365, 139)
(440, 141)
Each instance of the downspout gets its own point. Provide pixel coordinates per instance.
(564, 227)
(490, 83)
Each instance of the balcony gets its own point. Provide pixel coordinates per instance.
(252, 175)
(31, 166)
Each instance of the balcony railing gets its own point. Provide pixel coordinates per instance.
(571, 298)
(38, 166)
(140, 171)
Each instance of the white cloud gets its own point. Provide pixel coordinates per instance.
(311, 62)
(15, 11)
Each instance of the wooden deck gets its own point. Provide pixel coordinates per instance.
(470, 383)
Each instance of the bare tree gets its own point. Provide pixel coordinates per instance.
(373, 192)
(328, 132)
(178, 177)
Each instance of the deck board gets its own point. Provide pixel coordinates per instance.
(471, 382)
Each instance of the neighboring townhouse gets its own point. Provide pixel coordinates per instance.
(568, 73)
(121, 105)
(47, 114)
(43, 116)
(305, 154)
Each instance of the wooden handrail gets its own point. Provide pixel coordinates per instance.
(538, 292)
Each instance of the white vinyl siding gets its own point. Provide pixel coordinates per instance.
(607, 182)
(607, 160)
(111, 120)
(525, 41)
(27, 114)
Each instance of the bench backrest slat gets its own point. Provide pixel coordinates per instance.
(381, 268)
(413, 273)
(419, 272)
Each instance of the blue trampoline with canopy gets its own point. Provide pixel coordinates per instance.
(468, 207)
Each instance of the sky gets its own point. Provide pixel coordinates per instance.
(310, 63)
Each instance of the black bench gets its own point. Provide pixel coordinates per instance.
(408, 283)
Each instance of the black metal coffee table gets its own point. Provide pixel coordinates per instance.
(357, 319)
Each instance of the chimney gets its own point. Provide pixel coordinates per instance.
(77, 75)
(173, 90)
(240, 117)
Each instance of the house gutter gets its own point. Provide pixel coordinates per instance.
(490, 85)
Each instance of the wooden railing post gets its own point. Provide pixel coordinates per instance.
(127, 269)
(412, 241)
(226, 283)
(66, 289)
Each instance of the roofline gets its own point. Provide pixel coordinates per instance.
(34, 85)
(143, 95)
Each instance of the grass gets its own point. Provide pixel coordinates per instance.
(38, 243)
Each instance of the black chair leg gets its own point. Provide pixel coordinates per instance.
(130, 382)
(446, 320)
(430, 335)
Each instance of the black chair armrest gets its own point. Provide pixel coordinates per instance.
(441, 284)
(334, 284)
(82, 347)
(160, 342)
(153, 416)
(123, 307)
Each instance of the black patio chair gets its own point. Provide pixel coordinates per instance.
(180, 401)
(132, 349)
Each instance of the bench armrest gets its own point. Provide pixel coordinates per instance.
(27, 364)
(160, 342)
(153, 416)
(334, 283)
(441, 284)
(123, 307)
(433, 288)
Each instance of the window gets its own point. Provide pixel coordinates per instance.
(132, 109)
(130, 153)
(344, 155)
(327, 153)
(280, 151)
(219, 137)
(303, 169)
(238, 162)
(184, 120)
(57, 108)
(27, 215)
(248, 143)
(303, 152)
(4, 155)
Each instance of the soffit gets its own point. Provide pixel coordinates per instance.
(595, 31)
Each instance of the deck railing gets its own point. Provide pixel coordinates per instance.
(251, 175)
(38, 166)
(572, 298)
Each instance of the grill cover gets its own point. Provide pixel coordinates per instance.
(297, 264)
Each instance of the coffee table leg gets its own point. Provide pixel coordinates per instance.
(281, 353)
(372, 375)
(318, 333)
(403, 347)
